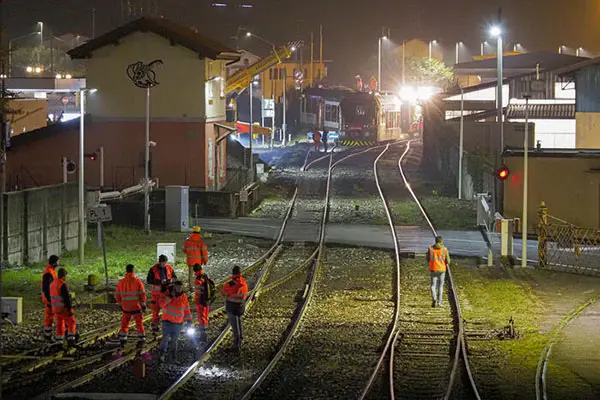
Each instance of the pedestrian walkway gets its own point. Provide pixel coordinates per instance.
(410, 239)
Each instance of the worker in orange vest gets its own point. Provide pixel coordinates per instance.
(236, 293)
(131, 296)
(160, 276)
(195, 250)
(62, 308)
(439, 259)
(204, 289)
(176, 310)
(48, 276)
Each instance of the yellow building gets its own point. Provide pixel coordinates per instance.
(283, 75)
(29, 114)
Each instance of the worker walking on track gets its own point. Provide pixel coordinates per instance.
(439, 259)
(160, 276)
(195, 250)
(62, 308)
(317, 139)
(176, 310)
(236, 292)
(204, 292)
(131, 296)
(325, 140)
(48, 276)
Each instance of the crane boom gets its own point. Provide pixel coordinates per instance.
(241, 79)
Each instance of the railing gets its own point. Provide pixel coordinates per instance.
(485, 222)
(566, 247)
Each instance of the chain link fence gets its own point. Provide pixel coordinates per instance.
(566, 247)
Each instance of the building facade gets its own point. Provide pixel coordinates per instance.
(186, 72)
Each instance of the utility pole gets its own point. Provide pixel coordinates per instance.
(460, 144)
(2, 159)
(525, 184)
(312, 59)
(93, 23)
(321, 66)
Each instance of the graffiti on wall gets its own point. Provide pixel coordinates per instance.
(143, 75)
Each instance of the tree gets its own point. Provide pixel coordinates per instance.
(53, 60)
(429, 71)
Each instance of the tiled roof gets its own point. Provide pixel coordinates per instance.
(177, 34)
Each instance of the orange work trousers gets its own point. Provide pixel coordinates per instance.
(65, 322)
(48, 321)
(139, 324)
(202, 312)
(155, 307)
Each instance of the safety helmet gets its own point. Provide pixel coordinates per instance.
(196, 229)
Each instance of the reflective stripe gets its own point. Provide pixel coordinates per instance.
(156, 287)
(137, 292)
(173, 314)
(129, 298)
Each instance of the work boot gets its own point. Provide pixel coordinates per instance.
(433, 303)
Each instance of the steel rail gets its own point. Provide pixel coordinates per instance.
(389, 340)
(540, 374)
(461, 336)
(308, 294)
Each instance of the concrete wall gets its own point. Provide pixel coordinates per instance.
(180, 94)
(570, 190)
(41, 222)
(587, 134)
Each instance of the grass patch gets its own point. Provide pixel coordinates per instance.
(445, 212)
(123, 245)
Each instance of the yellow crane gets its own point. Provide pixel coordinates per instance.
(240, 81)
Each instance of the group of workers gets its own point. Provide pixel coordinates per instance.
(169, 304)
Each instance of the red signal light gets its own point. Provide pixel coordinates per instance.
(503, 173)
(91, 156)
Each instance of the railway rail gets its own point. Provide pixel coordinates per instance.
(541, 380)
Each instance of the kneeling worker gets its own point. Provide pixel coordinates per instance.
(131, 296)
(62, 308)
(175, 309)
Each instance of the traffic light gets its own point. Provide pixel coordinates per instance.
(503, 173)
(91, 156)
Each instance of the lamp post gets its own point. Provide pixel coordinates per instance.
(41, 40)
(379, 62)
(458, 44)
(460, 144)
(525, 183)
(497, 32)
(431, 48)
(81, 203)
(482, 48)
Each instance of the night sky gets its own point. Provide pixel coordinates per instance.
(351, 27)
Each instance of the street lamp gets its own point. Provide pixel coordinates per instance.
(483, 44)
(379, 61)
(497, 32)
(430, 48)
(458, 44)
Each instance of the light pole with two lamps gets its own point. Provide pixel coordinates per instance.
(497, 32)
(10, 49)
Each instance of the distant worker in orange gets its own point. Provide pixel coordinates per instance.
(195, 250)
(236, 293)
(131, 296)
(439, 259)
(160, 276)
(317, 139)
(48, 276)
(204, 293)
(176, 310)
(63, 309)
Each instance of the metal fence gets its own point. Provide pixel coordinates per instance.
(566, 247)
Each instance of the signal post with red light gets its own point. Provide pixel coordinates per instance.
(502, 173)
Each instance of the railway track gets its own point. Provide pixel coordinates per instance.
(541, 380)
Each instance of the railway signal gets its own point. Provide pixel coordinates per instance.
(503, 173)
(91, 156)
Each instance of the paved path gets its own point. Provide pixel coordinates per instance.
(411, 239)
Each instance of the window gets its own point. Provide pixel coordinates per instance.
(271, 74)
(331, 113)
(280, 74)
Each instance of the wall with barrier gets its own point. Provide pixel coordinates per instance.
(40, 222)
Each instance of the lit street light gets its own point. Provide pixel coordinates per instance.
(379, 62)
(458, 44)
(483, 44)
(497, 32)
(430, 48)
(10, 49)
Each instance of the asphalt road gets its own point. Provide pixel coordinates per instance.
(411, 239)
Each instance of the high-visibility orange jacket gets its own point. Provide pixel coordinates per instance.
(155, 278)
(438, 258)
(196, 250)
(236, 292)
(201, 295)
(48, 276)
(60, 298)
(130, 293)
(176, 309)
